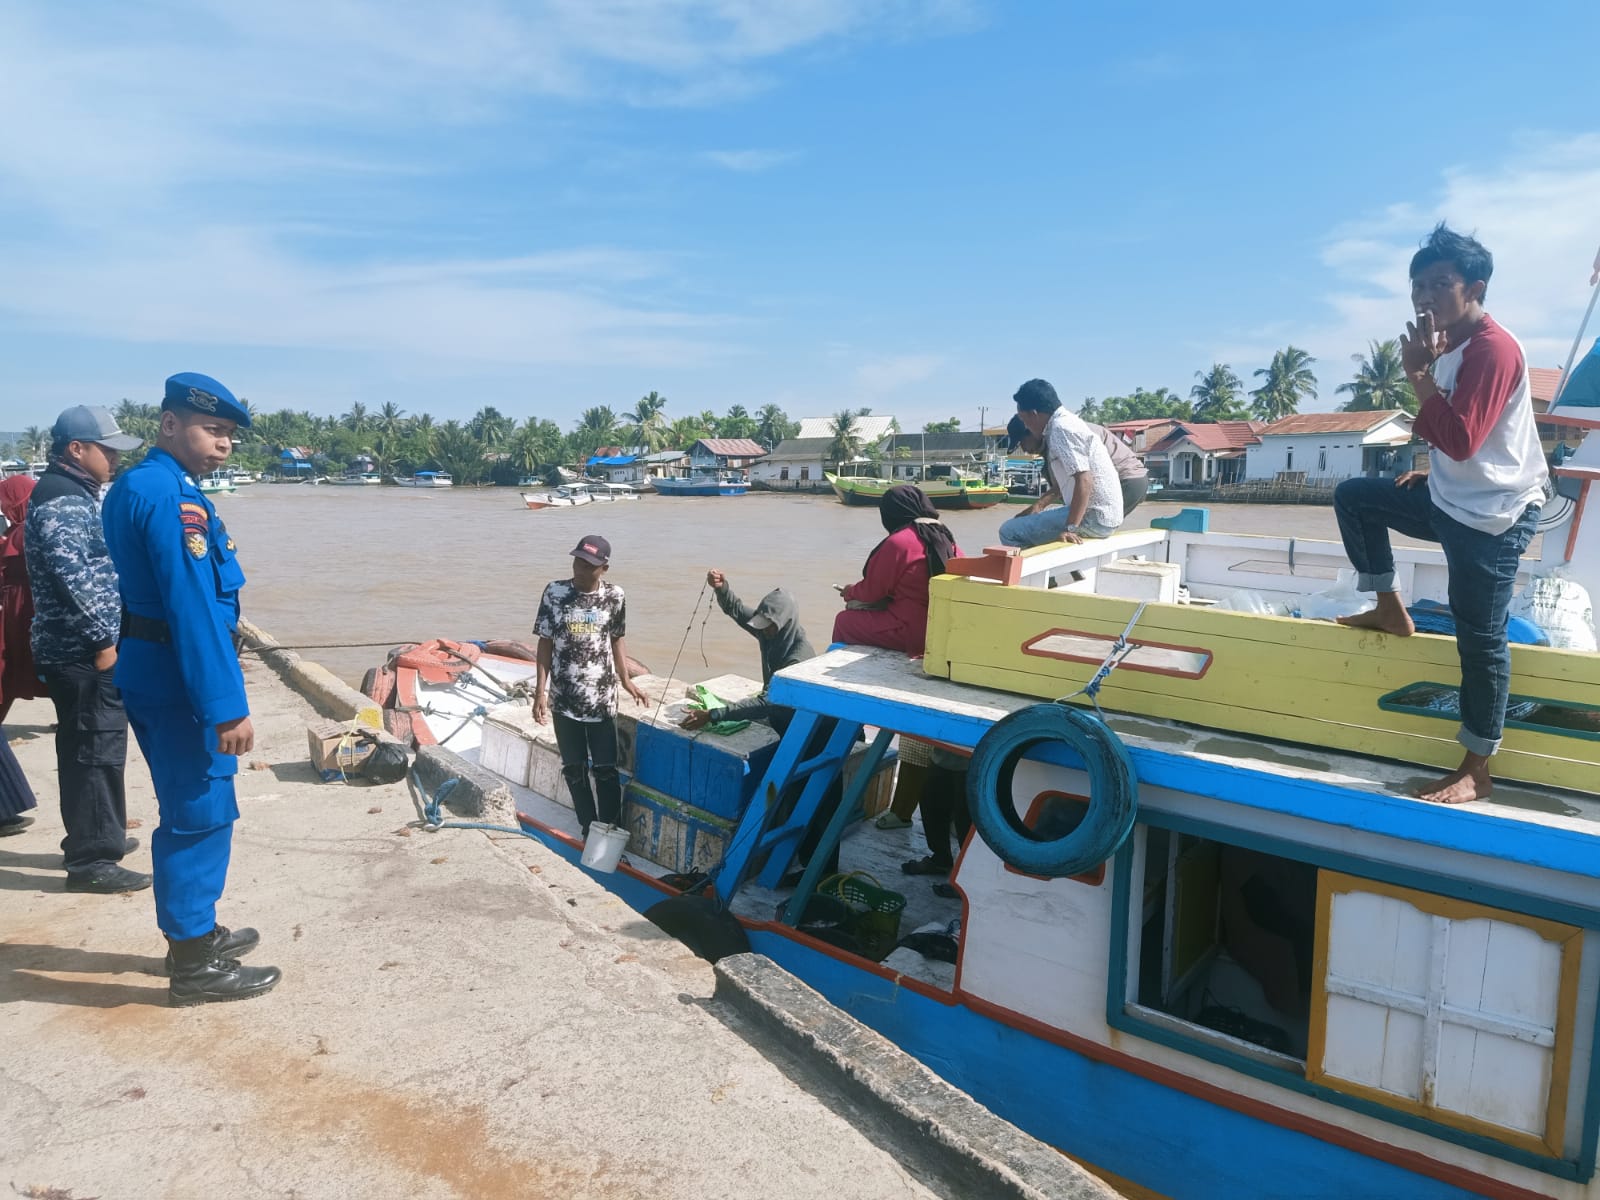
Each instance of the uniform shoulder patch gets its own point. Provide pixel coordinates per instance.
(195, 543)
(191, 514)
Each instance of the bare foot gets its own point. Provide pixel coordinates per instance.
(1468, 782)
(1389, 617)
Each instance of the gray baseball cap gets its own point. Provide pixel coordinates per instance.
(92, 423)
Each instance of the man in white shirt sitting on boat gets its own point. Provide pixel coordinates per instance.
(1085, 499)
(1479, 498)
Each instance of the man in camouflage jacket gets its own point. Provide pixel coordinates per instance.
(77, 620)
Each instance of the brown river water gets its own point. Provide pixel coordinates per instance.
(385, 565)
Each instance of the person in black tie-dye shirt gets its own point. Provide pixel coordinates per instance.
(582, 660)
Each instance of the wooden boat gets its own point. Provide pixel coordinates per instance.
(362, 479)
(726, 483)
(956, 491)
(1212, 950)
(425, 479)
(568, 495)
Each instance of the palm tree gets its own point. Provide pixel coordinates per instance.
(773, 426)
(1380, 381)
(846, 434)
(646, 427)
(685, 432)
(392, 419)
(596, 427)
(1288, 381)
(36, 441)
(356, 419)
(490, 427)
(737, 423)
(1216, 396)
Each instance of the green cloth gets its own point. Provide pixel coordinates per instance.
(701, 696)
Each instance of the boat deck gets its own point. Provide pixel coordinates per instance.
(1556, 828)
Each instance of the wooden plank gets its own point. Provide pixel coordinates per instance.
(1190, 620)
(982, 635)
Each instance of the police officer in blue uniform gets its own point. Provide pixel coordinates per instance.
(181, 683)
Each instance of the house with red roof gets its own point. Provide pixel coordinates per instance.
(1143, 433)
(1202, 454)
(1327, 447)
(724, 454)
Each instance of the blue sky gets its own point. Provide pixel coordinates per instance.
(910, 206)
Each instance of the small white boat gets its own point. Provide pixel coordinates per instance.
(568, 495)
(426, 479)
(216, 483)
(614, 491)
(364, 479)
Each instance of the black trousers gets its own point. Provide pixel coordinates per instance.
(583, 743)
(944, 811)
(91, 750)
(1133, 492)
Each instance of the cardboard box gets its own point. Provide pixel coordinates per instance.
(336, 749)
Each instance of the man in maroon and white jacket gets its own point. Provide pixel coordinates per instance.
(1479, 498)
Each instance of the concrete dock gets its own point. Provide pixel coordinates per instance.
(462, 1015)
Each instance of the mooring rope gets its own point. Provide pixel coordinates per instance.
(687, 630)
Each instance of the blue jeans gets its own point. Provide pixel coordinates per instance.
(1483, 574)
(1037, 529)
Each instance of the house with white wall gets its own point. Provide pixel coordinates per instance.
(795, 464)
(1202, 454)
(1327, 447)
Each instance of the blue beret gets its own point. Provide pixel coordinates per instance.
(201, 393)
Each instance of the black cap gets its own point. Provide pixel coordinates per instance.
(593, 549)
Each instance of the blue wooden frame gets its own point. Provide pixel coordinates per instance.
(1507, 839)
(1579, 1170)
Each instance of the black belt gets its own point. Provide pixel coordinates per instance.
(146, 629)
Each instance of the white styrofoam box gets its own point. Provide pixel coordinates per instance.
(1136, 579)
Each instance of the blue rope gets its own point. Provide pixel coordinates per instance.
(430, 809)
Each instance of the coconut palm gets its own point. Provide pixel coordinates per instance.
(36, 442)
(1380, 381)
(357, 419)
(1288, 381)
(773, 426)
(1217, 395)
(596, 427)
(686, 431)
(392, 419)
(646, 427)
(490, 427)
(845, 431)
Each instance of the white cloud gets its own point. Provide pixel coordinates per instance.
(748, 161)
(889, 374)
(1536, 212)
(226, 286)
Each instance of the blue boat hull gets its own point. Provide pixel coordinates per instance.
(1106, 1109)
(672, 487)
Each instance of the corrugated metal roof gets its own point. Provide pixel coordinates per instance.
(1304, 424)
(733, 447)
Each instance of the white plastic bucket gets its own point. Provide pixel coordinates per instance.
(604, 846)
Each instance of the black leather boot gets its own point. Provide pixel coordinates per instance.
(227, 943)
(201, 976)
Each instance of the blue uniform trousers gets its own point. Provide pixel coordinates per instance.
(194, 789)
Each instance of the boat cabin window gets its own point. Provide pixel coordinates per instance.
(1227, 941)
(1371, 994)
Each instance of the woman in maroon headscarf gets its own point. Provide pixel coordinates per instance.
(18, 679)
(889, 606)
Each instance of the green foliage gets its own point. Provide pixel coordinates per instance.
(1218, 395)
(953, 425)
(774, 426)
(845, 431)
(1287, 381)
(1141, 406)
(1380, 381)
